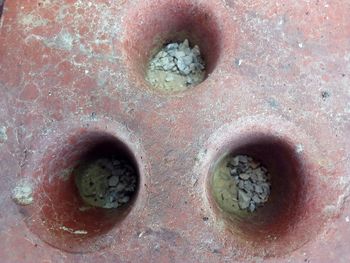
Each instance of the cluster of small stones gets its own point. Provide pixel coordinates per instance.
(107, 183)
(252, 181)
(179, 59)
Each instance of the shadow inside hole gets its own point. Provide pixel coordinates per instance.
(108, 150)
(2, 4)
(71, 223)
(278, 216)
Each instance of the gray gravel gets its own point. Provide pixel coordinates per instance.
(107, 183)
(252, 180)
(181, 59)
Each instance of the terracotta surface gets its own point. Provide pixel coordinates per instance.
(72, 78)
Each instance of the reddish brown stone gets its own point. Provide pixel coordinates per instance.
(72, 77)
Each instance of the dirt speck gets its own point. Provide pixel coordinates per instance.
(325, 95)
(22, 194)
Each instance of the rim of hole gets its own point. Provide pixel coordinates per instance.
(58, 215)
(179, 20)
(284, 223)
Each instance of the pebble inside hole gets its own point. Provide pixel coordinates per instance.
(277, 225)
(177, 66)
(107, 177)
(241, 184)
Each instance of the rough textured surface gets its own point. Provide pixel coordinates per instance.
(71, 67)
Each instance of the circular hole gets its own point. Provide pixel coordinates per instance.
(272, 226)
(62, 214)
(171, 22)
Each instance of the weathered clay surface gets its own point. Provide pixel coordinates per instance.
(72, 72)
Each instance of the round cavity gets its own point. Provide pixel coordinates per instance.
(171, 22)
(274, 215)
(86, 186)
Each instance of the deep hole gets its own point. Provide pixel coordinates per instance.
(62, 217)
(278, 216)
(169, 22)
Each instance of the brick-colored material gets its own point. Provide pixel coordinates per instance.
(72, 75)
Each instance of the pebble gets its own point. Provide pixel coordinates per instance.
(258, 189)
(181, 65)
(253, 177)
(169, 66)
(243, 199)
(234, 162)
(113, 181)
(124, 200)
(243, 159)
(22, 194)
(252, 181)
(244, 176)
(254, 165)
(162, 54)
(120, 187)
(256, 199)
(252, 207)
(248, 186)
(234, 171)
(187, 70)
(187, 60)
(172, 46)
(189, 80)
(180, 54)
(196, 51)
